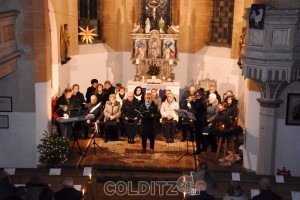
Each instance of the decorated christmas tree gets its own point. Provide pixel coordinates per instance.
(54, 149)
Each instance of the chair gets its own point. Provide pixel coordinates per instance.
(229, 139)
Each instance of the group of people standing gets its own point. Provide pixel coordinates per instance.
(116, 112)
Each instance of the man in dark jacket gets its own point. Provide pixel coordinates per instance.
(91, 90)
(68, 192)
(265, 191)
(62, 107)
(199, 106)
(96, 110)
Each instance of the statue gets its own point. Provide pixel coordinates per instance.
(153, 5)
(154, 48)
(173, 29)
(161, 25)
(136, 28)
(64, 44)
(147, 25)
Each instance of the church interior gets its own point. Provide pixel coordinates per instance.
(249, 47)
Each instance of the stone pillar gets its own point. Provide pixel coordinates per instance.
(267, 136)
(271, 60)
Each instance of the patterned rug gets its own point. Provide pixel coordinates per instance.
(119, 155)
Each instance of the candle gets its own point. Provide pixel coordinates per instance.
(171, 62)
(137, 61)
(90, 175)
(83, 192)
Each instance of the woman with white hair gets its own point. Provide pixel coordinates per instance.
(169, 117)
(212, 112)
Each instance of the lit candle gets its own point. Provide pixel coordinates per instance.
(184, 193)
(137, 61)
(83, 192)
(164, 77)
(171, 62)
(143, 78)
(90, 175)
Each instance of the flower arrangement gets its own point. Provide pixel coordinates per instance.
(153, 70)
(54, 149)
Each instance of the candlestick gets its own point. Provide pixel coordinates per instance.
(90, 175)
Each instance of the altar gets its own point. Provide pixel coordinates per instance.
(162, 87)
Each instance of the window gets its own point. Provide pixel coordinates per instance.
(222, 21)
(89, 15)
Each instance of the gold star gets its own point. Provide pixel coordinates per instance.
(87, 35)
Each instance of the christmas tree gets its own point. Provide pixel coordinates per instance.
(54, 149)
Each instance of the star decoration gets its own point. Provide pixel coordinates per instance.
(87, 35)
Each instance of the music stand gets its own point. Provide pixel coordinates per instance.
(189, 116)
(94, 140)
(76, 113)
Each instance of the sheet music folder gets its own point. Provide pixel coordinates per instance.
(78, 112)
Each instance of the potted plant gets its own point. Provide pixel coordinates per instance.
(153, 70)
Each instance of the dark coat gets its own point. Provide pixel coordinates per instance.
(89, 92)
(6, 190)
(199, 107)
(102, 98)
(78, 100)
(129, 109)
(267, 195)
(34, 190)
(63, 101)
(68, 194)
(223, 117)
(149, 118)
(202, 196)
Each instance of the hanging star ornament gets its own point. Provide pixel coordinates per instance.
(87, 35)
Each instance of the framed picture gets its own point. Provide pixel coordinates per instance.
(4, 121)
(293, 109)
(5, 104)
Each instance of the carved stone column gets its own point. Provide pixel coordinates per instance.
(272, 60)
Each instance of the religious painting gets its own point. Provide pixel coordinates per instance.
(140, 47)
(293, 109)
(169, 49)
(257, 15)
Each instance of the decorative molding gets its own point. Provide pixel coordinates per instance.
(280, 38)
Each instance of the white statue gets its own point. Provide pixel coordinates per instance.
(147, 25)
(136, 28)
(174, 28)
